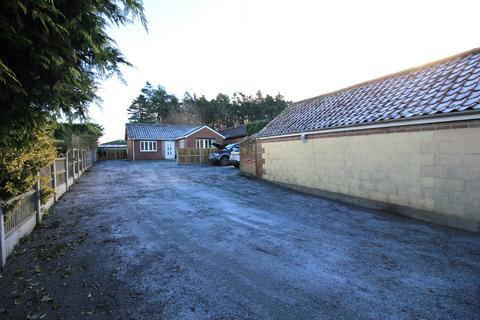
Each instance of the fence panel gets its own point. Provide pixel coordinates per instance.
(193, 155)
(22, 210)
(18, 221)
(47, 173)
(60, 170)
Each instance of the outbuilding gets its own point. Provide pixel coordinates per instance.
(112, 150)
(408, 142)
(234, 134)
(160, 141)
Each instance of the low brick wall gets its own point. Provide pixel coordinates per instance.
(430, 172)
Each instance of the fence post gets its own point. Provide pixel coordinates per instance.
(3, 249)
(54, 180)
(73, 165)
(66, 170)
(38, 205)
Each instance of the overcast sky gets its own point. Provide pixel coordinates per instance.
(298, 48)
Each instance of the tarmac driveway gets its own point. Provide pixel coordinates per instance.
(198, 242)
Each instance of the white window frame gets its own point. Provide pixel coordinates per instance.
(148, 146)
(204, 143)
(181, 144)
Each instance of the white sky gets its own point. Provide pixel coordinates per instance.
(299, 48)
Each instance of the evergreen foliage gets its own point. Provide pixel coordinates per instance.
(158, 106)
(20, 164)
(255, 126)
(53, 55)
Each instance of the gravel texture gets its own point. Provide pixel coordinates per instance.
(155, 240)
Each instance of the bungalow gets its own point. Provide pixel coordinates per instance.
(159, 141)
(408, 142)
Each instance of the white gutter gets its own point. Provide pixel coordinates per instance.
(382, 125)
(198, 129)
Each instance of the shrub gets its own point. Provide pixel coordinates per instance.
(256, 126)
(20, 161)
(46, 190)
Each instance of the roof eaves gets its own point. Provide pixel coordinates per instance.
(198, 129)
(443, 118)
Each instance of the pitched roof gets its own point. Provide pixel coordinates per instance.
(156, 131)
(114, 142)
(235, 132)
(447, 86)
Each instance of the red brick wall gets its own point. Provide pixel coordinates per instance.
(250, 159)
(202, 134)
(145, 155)
(190, 142)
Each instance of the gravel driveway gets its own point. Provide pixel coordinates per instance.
(153, 240)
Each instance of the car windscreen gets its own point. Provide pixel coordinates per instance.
(230, 146)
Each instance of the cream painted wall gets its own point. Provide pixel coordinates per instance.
(436, 171)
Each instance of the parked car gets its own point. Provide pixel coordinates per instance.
(222, 155)
(235, 157)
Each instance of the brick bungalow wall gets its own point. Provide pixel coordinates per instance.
(190, 142)
(145, 155)
(202, 134)
(431, 172)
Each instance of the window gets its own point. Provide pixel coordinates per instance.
(182, 144)
(148, 146)
(205, 143)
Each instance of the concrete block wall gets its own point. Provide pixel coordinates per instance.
(434, 170)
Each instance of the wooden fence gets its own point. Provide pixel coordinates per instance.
(193, 155)
(113, 154)
(27, 212)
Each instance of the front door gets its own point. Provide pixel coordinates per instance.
(169, 149)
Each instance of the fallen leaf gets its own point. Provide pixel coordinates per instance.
(38, 315)
(19, 271)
